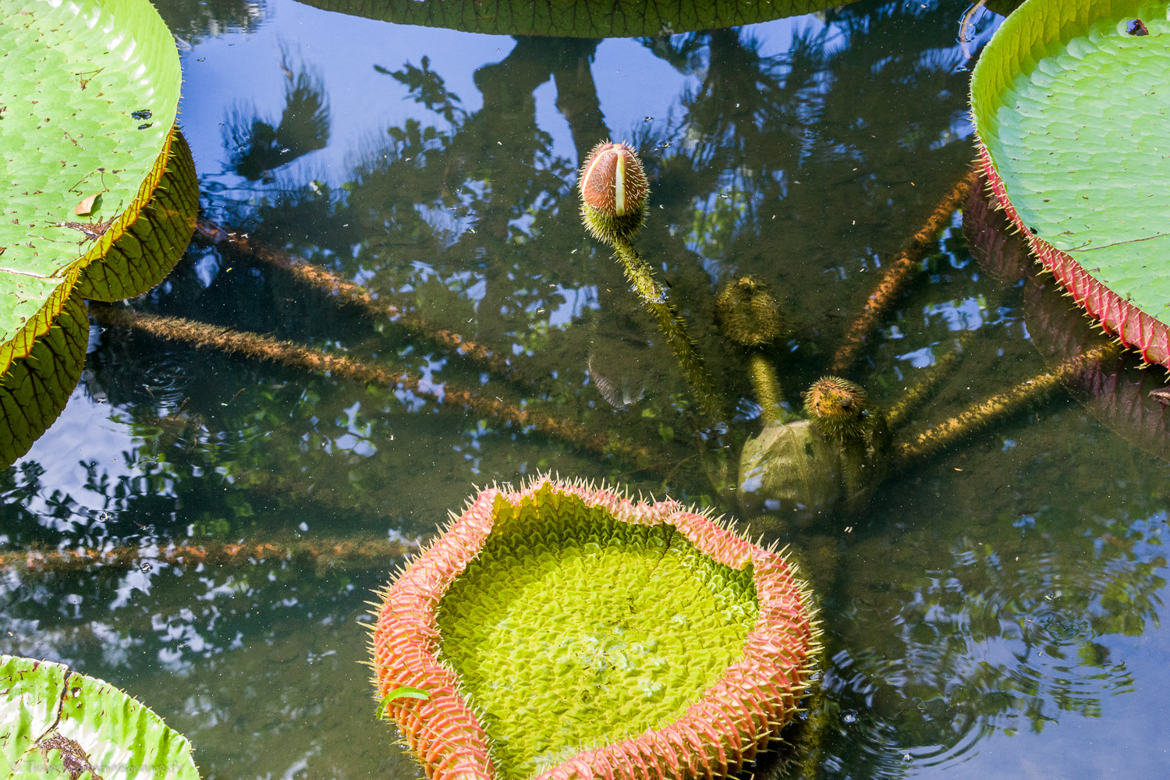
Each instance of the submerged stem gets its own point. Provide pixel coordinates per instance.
(997, 407)
(324, 553)
(898, 274)
(672, 325)
(259, 347)
(355, 295)
(769, 394)
(918, 393)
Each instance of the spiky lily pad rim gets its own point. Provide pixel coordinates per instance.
(1117, 316)
(753, 699)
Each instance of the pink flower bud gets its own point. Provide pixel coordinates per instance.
(612, 180)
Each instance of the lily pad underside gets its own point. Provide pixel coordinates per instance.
(35, 388)
(55, 722)
(1072, 109)
(575, 18)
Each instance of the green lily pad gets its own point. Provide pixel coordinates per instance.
(151, 246)
(574, 18)
(88, 100)
(36, 387)
(55, 722)
(1073, 111)
(81, 112)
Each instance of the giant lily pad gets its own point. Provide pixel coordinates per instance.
(36, 387)
(100, 189)
(55, 722)
(1073, 113)
(575, 18)
(1128, 401)
(566, 631)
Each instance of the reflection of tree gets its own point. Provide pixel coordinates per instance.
(256, 147)
(826, 143)
(197, 19)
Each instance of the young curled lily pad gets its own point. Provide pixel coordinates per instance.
(55, 722)
(1073, 114)
(564, 630)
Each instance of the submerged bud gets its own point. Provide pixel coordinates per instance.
(613, 192)
(838, 408)
(748, 312)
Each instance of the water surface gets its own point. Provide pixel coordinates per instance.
(995, 611)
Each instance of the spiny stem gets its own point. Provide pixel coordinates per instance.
(324, 553)
(914, 396)
(898, 273)
(997, 407)
(768, 393)
(672, 325)
(354, 295)
(259, 347)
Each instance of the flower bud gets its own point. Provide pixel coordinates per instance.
(613, 192)
(748, 312)
(838, 408)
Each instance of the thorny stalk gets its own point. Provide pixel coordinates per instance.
(256, 346)
(898, 273)
(672, 325)
(769, 395)
(997, 407)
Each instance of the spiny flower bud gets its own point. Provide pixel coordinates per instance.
(837, 407)
(613, 192)
(748, 312)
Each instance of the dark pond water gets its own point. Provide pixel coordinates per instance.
(997, 610)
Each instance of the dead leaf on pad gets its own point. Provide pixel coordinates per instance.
(87, 205)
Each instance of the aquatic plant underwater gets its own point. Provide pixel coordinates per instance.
(751, 401)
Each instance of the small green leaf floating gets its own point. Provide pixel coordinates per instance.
(1073, 112)
(55, 722)
(574, 18)
(402, 692)
(102, 192)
